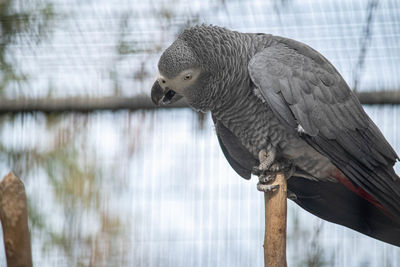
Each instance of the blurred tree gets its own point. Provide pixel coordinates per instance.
(76, 196)
(364, 43)
(30, 18)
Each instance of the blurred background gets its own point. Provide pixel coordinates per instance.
(151, 187)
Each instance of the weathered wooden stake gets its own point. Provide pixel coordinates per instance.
(275, 224)
(14, 220)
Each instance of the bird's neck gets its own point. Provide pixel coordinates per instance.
(233, 83)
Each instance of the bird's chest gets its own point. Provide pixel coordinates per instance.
(255, 125)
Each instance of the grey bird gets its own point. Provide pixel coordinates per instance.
(279, 105)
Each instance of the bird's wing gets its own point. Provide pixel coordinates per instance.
(308, 94)
(237, 155)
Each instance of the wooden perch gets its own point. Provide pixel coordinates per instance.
(14, 220)
(275, 224)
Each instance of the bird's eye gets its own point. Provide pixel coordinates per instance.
(188, 77)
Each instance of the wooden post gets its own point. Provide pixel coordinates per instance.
(275, 224)
(14, 220)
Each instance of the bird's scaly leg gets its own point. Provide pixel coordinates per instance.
(268, 169)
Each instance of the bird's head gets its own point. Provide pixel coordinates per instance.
(182, 74)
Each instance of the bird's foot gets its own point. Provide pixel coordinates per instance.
(267, 177)
(268, 169)
(264, 180)
(266, 158)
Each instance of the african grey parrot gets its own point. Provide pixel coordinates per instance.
(277, 104)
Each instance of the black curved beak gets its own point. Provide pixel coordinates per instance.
(163, 96)
(157, 93)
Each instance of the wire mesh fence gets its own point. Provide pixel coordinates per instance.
(107, 47)
(152, 188)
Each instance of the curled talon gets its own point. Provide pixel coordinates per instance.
(267, 178)
(267, 187)
(277, 167)
(291, 195)
(256, 171)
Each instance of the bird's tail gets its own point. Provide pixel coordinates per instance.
(342, 204)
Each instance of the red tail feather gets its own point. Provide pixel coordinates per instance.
(338, 175)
